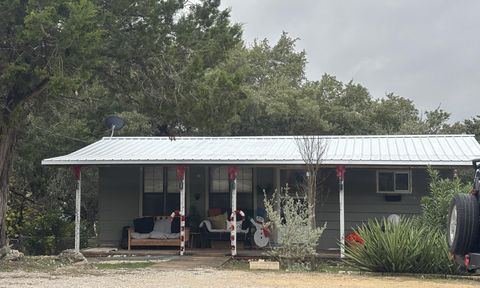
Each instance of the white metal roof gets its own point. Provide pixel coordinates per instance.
(405, 150)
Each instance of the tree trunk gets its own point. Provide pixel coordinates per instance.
(8, 134)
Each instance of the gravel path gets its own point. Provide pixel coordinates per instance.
(151, 277)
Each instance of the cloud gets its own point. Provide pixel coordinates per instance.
(423, 50)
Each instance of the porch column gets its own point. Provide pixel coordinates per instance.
(181, 184)
(341, 188)
(232, 174)
(78, 194)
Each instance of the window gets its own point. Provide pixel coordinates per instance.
(219, 196)
(153, 196)
(172, 183)
(153, 180)
(219, 180)
(244, 180)
(394, 182)
(160, 191)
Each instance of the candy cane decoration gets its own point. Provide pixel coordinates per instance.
(232, 173)
(233, 229)
(181, 186)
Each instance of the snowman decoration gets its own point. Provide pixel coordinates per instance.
(262, 234)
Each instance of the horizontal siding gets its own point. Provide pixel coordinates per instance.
(118, 202)
(363, 203)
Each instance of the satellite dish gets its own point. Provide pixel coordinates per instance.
(114, 122)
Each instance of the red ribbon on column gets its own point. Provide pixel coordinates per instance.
(340, 171)
(76, 171)
(232, 172)
(180, 172)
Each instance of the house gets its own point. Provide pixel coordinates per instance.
(383, 175)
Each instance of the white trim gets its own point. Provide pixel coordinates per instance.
(395, 172)
(207, 189)
(140, 202)
(254, 184)
(466, 162)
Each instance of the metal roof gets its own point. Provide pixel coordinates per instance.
(406, 150)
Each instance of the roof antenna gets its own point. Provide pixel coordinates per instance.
(114, 122)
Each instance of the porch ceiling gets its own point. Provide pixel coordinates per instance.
(401, 150)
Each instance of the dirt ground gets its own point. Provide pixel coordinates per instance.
(208, 277)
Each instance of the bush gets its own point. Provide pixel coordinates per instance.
(405, 247)
(47, 233)
(298, 240)
(435, 205)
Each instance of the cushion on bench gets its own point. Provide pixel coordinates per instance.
(143, 225)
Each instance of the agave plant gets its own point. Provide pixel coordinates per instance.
(405, 247)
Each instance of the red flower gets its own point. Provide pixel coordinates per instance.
(354, 238)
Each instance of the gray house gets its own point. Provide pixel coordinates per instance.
(383, 175)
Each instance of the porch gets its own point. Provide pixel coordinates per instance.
(194, 252)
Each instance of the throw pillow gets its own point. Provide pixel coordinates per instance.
(162, 225)
(219, 222)
(143, 225)
(214, 212)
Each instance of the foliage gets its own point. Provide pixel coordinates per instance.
(67, 64)
(46, 232)
(435, 205)
(401, 248)
(297, 239)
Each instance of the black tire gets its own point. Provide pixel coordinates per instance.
(462, 237)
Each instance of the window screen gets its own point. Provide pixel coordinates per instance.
(386, 181)
(153, 180)
(393, 181)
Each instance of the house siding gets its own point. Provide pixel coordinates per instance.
(363, 203)
(120, 190)
(119, 197)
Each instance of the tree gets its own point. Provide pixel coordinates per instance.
(48, 49)
(312, 150)
(159, 62)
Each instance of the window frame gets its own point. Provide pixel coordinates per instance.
(395, 172)
(154, 178)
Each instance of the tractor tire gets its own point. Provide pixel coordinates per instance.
(463, 224)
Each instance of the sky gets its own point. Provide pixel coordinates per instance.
(427, 51)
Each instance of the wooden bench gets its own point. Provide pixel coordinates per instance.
(155, 242)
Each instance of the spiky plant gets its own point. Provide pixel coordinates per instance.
(405, 247)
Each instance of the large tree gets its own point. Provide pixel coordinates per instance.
(47, 49)
(159, 62)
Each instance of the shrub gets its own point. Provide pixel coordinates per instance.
(297, 239)
(435, 205)
(405, 247)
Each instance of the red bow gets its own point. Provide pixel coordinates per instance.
(232, 172)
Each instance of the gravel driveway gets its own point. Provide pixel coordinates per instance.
(151, 277)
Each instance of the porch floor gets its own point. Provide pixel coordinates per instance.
(205, 252)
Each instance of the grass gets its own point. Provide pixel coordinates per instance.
(32, 263)
(124, 265)
(324, 266)
(236, 264)
(51, 264)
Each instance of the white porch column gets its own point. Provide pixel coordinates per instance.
(232, 174)
(78, 195)
(341, 189)
(181, 179)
